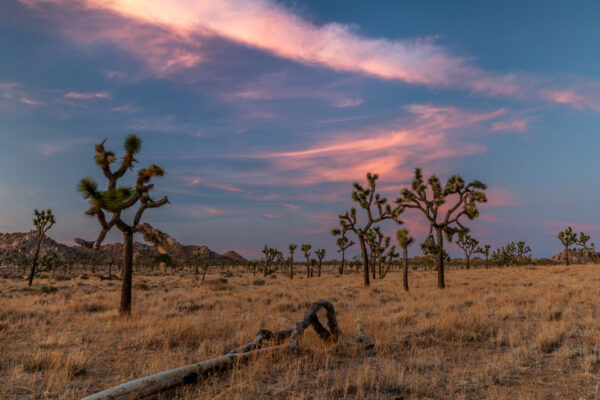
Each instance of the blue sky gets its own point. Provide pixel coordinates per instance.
(263, 113)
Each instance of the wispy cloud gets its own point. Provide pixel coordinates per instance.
(174, 37)
(87, 95)
(193, 181)
(48, 149)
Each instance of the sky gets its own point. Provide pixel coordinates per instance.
(264, 112)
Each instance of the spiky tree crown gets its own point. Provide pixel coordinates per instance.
(567, 237)
(43, 220)
(429, 197)
(320, 253)
(306, 249)
(292, 248)
(467, 242)
(404, 239)
(116, 199)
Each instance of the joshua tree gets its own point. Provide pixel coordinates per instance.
(389, 259)
(522, 251)
(584, 250)
(377, 243)
(343, 244)
(292, 249)
(404, 240)
(468, 244)
(567, 238)
(486, 252)
(306, 250)
(116, 200)
(464, 197)
(43, 221)
(367, 198)
(320, 253)
(270, 256)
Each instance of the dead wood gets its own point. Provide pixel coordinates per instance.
(166, 380)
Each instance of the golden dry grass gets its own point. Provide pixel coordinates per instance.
(518, 333)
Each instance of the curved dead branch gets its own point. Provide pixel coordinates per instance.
(162, 381)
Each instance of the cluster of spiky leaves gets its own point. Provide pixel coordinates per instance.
(43, 220)
(567, 237)
(511, 253)
(467, 243)
(342, 242)
(485, 250)
(404, 238)
(306, 250)
(320, 253)
(429, 197)
(272, 254)
(292, 247)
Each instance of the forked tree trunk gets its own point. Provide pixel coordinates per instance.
(440, 260)
(292, 266)
(567, 255)
(125, 307)
(35, 260)
(365, 257)
(405, 275)
(468, 262)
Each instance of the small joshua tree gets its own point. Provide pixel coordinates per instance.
(43, 221)
(306, 250)
(367, 198)
(523, 251)
(343, 244)
(271, 255)
(486, 252)
(468, 244)
(464, 196)
(404, 240)
(377, 243)
(388, 258)
(583, 250)
(320, 253)
(116, 200)
(292, 249)
(567, 238)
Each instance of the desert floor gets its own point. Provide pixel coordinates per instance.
(518, 333)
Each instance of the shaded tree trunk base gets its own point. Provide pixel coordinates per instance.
(170, 379)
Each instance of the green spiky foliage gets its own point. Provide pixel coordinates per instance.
(42, 222)
(485, 250)
(271, 255)
(376, 209)
(567, 238)
(583, 251)
(404, 240)
(292, 249)
(522, 251)
(377, 243)
(430, 198)
(320, 253)
(343, 244)
(116, 200)
(468, 244)
(387, 260)
(306, 250)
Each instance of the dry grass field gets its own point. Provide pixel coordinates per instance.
(517, 333)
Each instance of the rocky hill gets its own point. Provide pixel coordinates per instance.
(20, 246)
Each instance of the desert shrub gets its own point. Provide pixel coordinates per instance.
(550, 337)
(36, 362)
(84, 276)
(48, 289)
(258, 282)
(141, 286)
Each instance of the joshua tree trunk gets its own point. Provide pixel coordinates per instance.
(468, 262)
(440, 260)
(203, 275)
(307, 267)
(35, 261)
(405, 275)
(341, 270)
(487, 264)
(319, 268)
(292, 267)
(567, 255)
(125, 307)
(365, 257)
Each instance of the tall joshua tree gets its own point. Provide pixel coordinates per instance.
(118, 199)
(43, 221)
(292, 249)
(431, 196)
(567, 238)
(320, 253)
(368, 199)
(468, 244)
(343, 244)
(306, 250)
(404, 240)
(485, 250)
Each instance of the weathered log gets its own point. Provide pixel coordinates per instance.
(162, 381)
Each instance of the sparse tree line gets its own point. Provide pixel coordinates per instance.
(444, 207)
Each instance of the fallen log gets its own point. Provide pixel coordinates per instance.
(166, 380)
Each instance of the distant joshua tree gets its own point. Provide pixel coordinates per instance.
(523, 251)
(377, 243)
(343, 244)
(320, 253)
(567, 238)
(367, 199)
(116, 200)
(306, 250)
(584, 250)
(271, 255)
(292, 249)
(404, 240)
(388, 258)
(486, 252)
(468, 244)
(43, 221)
(465, 198)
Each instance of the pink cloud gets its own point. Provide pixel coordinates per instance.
(126, 108)
(87, 95)
(29, 101)
(514, 125)
(270, 216)
(169, 38)
(292, 207)
(499, 197)
(193, 181)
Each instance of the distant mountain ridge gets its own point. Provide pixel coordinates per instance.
(20, 246)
